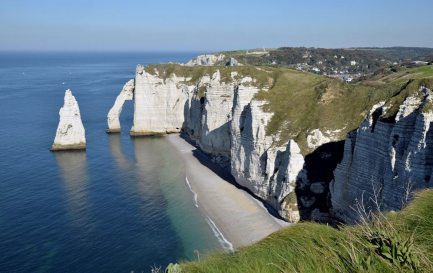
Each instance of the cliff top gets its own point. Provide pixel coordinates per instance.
(193, 74)
(303, 103)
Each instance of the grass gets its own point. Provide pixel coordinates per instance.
(193, 74)
(302, 101)
(310, 247)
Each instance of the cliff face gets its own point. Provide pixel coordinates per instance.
(267, 171)
(158, 104)
(70, 134)
(227, 123)
(386, 158)
(206, 59)
(304, 167)
(208, 114)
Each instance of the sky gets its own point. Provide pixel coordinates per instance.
(193, 25)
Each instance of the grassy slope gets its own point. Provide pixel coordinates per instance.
(309, 247)
(303, 101)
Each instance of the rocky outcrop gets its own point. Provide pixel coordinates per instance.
(158, 103)
(211, 59)
(208, 118)
(232, 62)
(70, 133)
(386, 159)
(206, 59)
(316, 139)
(127, 93)
(268, 171)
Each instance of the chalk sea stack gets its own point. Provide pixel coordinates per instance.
(70, 133)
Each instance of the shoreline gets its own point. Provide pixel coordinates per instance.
(236, 217)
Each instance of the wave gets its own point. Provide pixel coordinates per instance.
(226, 244)
(193, 192)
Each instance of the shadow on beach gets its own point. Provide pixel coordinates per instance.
(224, 173)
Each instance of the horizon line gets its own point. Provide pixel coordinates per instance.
(205, 51)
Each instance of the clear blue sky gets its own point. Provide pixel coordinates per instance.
(186, 25)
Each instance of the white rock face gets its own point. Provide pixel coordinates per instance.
(214, 133)
(225, 121)
(210, 113)
(127, 93)
(316, 138)
(159, 104)
(206, 59)
(232, 62)
(267, 171)
(386, 160)
(70, 133)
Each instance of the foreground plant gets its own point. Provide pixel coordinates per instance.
(391, 242)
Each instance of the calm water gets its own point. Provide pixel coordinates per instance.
(121, 206)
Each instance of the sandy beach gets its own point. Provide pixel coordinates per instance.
(236, 217)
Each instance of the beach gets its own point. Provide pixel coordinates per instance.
(236, 217)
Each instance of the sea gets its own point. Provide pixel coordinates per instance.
(123, 205)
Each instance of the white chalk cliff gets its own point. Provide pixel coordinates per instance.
(226, 122)
(206, 59)
(385, 160)
(158, 103)
(220, 113)
(70, 133)
(127, 93)
(208, 114)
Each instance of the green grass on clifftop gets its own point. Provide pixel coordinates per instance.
(316, 248)
(195, 73)
(303, 101)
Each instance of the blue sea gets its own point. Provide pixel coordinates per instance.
(120, 206)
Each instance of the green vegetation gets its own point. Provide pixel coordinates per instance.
(303, 101)
(396, 242)
(368, 60)
(195, 73)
